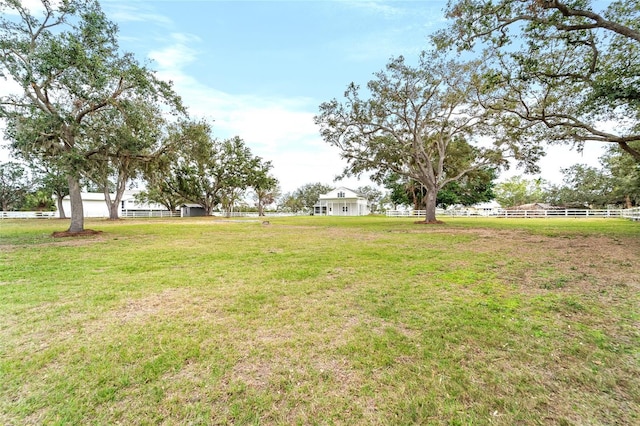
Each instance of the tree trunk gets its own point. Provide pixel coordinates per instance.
(77, 210)
(113, 211)
(61, 213)
(430, 205)
(114, 205)
(260, 208)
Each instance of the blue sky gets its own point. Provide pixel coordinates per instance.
(260, 69)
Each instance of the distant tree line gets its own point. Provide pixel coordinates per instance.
(615, 184)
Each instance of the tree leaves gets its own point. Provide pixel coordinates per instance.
(567, 69)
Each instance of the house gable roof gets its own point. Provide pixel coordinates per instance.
(348, 194)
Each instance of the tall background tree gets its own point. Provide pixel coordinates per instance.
(265, 188)
(582, 186)
(129, 140)
(68, 66)
(373, 195)
(419, 122)
(308, 194)
(206, 171)
(615, 183)
(54, 183)
(518, 190)
(625, 176)
(565, 71)
(15, 184)
(473, 188)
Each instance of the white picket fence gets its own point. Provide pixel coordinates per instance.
(132, 214)
(28, 215)
(633, 213)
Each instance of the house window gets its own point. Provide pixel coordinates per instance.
(345, 209)
(340, 194)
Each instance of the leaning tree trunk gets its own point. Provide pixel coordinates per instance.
(77, 210)
(61, 213)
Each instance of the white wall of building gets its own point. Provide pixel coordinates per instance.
(94, 204)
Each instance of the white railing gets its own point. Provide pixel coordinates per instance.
(28, 215)
(633, 213)
(132, 214)
(409, 213)
(560, 213)
(255, 214)
(626, 213)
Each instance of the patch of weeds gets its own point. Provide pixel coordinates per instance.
(557, 283)
(573, 305)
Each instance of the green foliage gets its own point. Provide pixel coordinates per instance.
(305, 197)
(562, 69)
(373, 195)
(582, 187)
(475, 187)
(74, 80)
(39, 200)
(14, 186)
(399, 192)
(266, 188)
(617, 182)
(625, 176)
(205, 170)
(517, 190)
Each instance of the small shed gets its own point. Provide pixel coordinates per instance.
(192, 210)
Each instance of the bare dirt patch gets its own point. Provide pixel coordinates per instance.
(581, 263)
(68, 234)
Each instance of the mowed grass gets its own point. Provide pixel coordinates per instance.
(314, 320)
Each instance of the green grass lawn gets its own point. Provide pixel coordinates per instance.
(314, 320)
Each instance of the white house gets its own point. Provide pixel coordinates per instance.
(341, 202)
(94, 204)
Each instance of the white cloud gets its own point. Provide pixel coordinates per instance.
(383, 9)
(35, 7)
(278, 129)
(128, 13)
(174, 57)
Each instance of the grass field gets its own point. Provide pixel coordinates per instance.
(315, 320)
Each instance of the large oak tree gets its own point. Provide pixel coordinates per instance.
(421, 122)
(68, 66)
